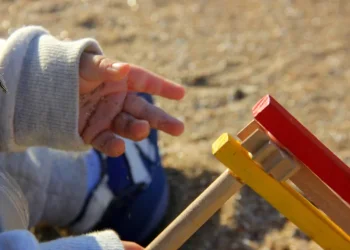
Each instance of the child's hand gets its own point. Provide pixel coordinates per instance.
(109, 105)
(131, 246)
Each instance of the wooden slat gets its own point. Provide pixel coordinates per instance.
(197, 213)
(212, 199)
(315, 190)
(263, 151)
(323, 197)
(248, 130)
(280, 195)
(301, 143)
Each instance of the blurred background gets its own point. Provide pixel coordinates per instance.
(228, 54)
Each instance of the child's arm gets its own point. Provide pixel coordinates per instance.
(41, 106)
(55, 186)
(106, 240)
(66, 95)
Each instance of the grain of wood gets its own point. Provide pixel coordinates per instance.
(301, 143)
(280, 195)
(213, 198)
(315, 190)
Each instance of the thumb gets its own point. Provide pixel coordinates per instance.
(95, 69)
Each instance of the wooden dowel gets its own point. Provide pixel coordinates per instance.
(197, 213)
(210, 201)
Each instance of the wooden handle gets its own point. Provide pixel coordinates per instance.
(197, 213)
(210, 201)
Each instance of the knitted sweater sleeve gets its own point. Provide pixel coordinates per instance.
(21, 239)
(41, 106)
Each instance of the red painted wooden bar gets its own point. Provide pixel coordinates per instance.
(290, 134)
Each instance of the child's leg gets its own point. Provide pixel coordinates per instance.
(13, 205)
(139, 186)
(61, 186)
(53, 182)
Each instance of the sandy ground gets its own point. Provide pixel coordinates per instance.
(228, 54)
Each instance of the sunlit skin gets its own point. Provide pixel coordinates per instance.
(109, 105)
(131, 246)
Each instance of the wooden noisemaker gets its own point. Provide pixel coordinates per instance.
(225, 186)
(281, 195)
(323, 178)
(312, 176)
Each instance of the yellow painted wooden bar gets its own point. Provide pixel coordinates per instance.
(285, 199)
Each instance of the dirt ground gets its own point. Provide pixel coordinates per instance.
(228, 54)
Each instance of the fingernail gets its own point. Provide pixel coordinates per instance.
(117, 66)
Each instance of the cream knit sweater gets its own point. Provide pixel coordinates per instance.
(40, 111)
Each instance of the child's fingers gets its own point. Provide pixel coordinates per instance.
(107, 108)
(88, 102)
(109, 144)
(142, 80)
(157, 118)
(131, 246)
(129, 127)
(104, 89)
(95, 69)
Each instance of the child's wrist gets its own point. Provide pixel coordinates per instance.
(47, 97)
